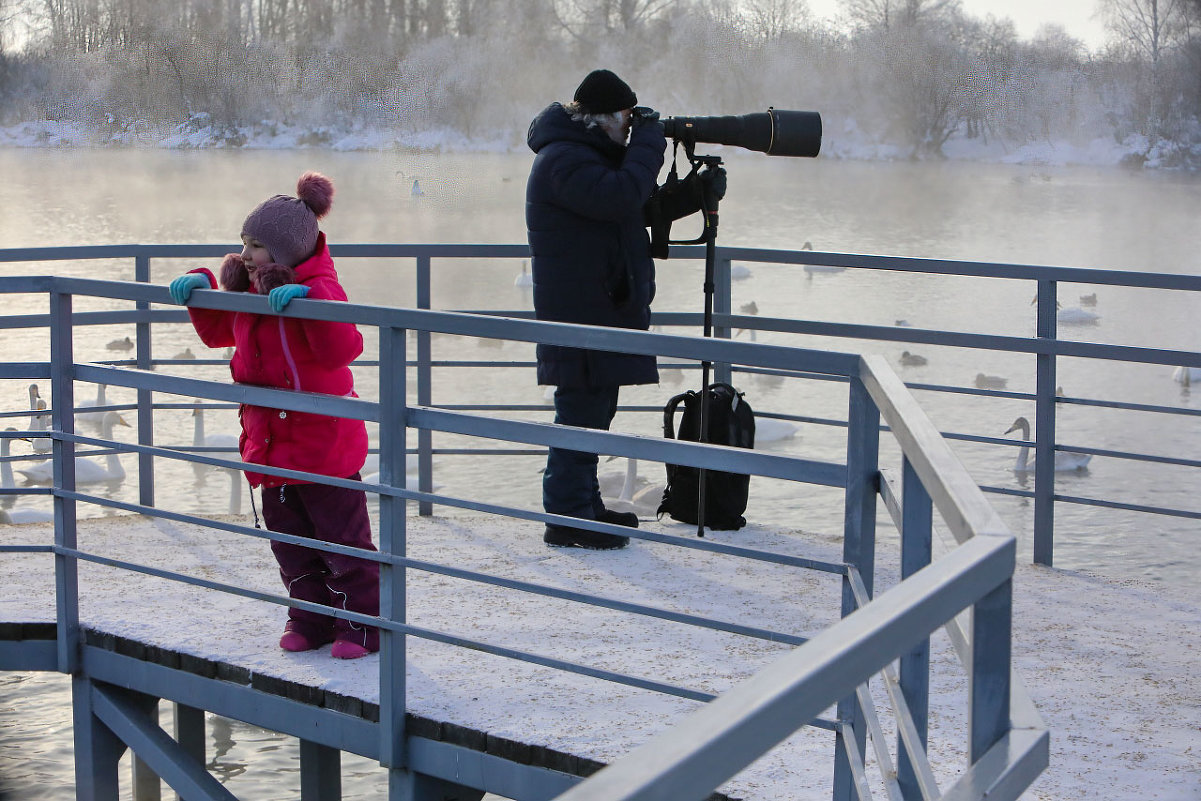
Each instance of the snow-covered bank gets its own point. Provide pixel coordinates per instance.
(846, 142)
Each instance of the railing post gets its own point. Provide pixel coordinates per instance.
(1044, 429)
(859, 548)
(425, 390)
(62, 401)
(721, 305)
(145, 396)
(917, 522)
(992, 630)
(392, 543)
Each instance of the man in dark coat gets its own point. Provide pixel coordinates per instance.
(591, 264)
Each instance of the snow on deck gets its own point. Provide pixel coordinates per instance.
(1112, 666)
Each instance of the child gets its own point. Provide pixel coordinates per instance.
(285, 257)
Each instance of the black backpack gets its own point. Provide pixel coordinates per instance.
(731, 422)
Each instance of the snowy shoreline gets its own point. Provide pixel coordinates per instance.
(850, 144)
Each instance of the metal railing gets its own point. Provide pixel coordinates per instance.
(1008, 743)
(1045, 346)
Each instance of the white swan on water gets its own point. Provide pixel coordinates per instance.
(1065, 461)
(87, 471)
(524, 278)
(16, 514)
(1187, 375)
(39, 420)
(769, 429)
(93, 418)
(201, 439)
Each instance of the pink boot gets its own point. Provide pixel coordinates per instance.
(345, 649)
(294, 640)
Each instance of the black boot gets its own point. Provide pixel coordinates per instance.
(568, 537)
(627, 519)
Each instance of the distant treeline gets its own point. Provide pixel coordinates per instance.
(906, 74)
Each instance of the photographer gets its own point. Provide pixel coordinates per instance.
(597, 163)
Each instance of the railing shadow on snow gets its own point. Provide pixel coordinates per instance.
(1008, 743)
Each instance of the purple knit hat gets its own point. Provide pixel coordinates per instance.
(288, 225)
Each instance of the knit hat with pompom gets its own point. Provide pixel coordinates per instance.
(287, 226)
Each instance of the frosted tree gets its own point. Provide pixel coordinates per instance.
(890, 14)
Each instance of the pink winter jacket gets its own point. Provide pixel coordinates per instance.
(307, 355)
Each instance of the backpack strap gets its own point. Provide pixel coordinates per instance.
(669, 413)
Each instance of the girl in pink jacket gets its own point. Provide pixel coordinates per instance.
(285, 257)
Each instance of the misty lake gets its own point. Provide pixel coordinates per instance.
(1065, 216)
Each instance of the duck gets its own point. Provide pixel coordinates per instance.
(749, 308)
(38, 420)
(524, 278)
(416, 190)
(1065, 461)
(912, 359)
(87, 471)
(94, 418)
(120, 344)
(990, 381)
(1088, 300)
(636, 494)
(186, 353)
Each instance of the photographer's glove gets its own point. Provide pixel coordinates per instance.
(281, 296)
(181, 288)
(714, 178)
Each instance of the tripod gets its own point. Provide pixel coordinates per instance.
(708, 236)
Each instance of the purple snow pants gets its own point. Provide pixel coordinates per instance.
(334, 515)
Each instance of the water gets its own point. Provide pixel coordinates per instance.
(1001, 213)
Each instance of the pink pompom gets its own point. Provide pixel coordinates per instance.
(316, 191)
(234, 276)
(269, 276)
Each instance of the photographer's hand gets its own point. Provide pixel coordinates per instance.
(714, 179)
(643, 114)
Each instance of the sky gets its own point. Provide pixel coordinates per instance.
(1028, 15)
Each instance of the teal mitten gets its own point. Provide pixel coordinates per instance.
(181, 288)
(281, 296)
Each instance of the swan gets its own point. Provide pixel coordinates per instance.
(1065, 461)
(93, 418)
(16, 514)
(200, 439)
(370, 471)
(769, 429)
(739, 272)
(912, 359)
(636, 494)
(87, 471)
(1186, 375)
(120, 344)
(523, 278)
(38, 422)
(990, 381)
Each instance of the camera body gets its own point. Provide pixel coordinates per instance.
(775, 132)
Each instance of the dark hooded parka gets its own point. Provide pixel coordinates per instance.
(589, 244)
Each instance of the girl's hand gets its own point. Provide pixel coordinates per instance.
(281, 296)
(181, 288)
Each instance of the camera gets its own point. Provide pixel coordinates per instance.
(775, 132)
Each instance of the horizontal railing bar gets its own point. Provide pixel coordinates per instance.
(25, 370)
(26, 549)
(728, 459)
(1129, 507)
(992, 342)
(967, 269)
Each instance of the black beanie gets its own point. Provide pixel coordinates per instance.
(602, 92)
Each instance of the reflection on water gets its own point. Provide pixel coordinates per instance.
(993, 213)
